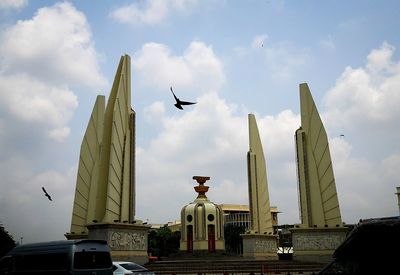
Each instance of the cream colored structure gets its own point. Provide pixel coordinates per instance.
(260, 241)
(318, 197)
(321, 230)
(202, 224)
(104, 204)
(105, 186)
(260, 209)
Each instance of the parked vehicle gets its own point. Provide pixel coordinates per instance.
(125, 268)
(79, 257)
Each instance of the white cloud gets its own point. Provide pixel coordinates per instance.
(259, 41)
(40, 59)
(198, 68)
(379, 60)
(229, 191)
(281, 59)
(367, 97)
(327, 43)
(360, 181)
(60, 134)
(13, 4)
(62, 52)
(27, 100)
(277, 132)
(22, 194)
(211, 139)
(151, 12)
(363, 105)
(391, 166)
(30, 100)
(217, 132)
(155, 111)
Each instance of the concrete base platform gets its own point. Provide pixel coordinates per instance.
(233, 265)
(128, 242)
(260, 246)
(316, 244)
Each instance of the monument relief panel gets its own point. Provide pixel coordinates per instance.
(127, 240)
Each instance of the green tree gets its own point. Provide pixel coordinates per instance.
(233, 240)
(6, 241)
(163, 242)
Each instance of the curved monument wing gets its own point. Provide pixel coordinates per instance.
(317, 188)
(260, 211)
(117, 178)
(86, 182)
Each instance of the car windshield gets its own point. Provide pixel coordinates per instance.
(92, 260)
(133, 267)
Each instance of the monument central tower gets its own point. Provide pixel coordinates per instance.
(202, 228)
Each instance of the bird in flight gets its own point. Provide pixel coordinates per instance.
(46, 194)
(341, 135)
(179, 102)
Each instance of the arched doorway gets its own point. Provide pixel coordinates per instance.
(211, 238)
(189, 238)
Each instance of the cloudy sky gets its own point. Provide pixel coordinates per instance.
(233, 58)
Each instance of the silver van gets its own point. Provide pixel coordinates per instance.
(80, 257)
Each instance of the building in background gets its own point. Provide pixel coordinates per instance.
(239, 214)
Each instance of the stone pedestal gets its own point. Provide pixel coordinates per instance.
(260, 246)
(316, 244)
(128, 242)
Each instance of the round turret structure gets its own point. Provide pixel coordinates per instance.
(202, 222)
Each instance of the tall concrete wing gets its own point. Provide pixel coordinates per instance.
(88, 169)
(260, 211)
(319, 205)
(105, 186)
(115, 193)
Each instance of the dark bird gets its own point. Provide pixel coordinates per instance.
(46, 194)
(342, 135)
(179, 102)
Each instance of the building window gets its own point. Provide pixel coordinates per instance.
(210, 217)
(189, 218)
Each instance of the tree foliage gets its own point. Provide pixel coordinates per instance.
(233, 240)
(163, 242)
(6, 241)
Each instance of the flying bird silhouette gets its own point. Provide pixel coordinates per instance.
(46, 194)
(179, 102)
